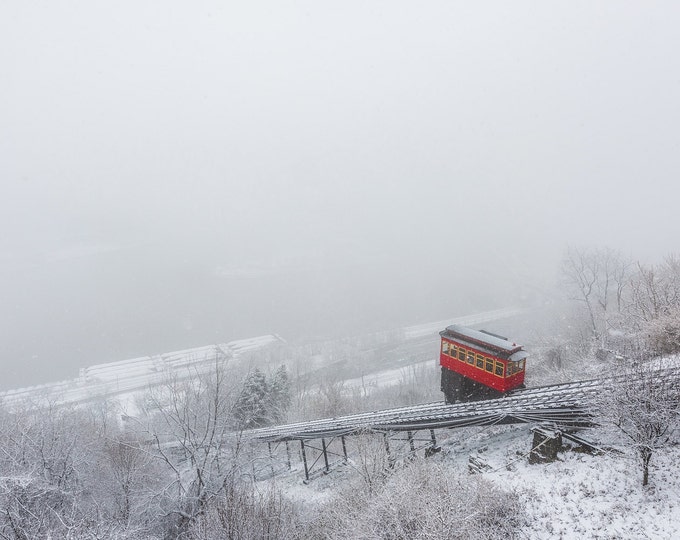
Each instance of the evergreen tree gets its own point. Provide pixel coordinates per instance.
(279, 394)
(251, 408)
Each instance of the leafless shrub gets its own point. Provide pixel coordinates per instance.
(663, 333)
(371, 461)
(245, 512)
(425, 500)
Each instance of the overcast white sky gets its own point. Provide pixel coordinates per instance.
(294, 129)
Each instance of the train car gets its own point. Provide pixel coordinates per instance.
(477, 364)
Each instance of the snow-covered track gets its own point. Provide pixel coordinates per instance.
(568, 404)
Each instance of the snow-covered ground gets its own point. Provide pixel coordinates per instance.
(580, 496)
(387, 377)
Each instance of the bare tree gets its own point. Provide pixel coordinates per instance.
(581, 269)
(130, 467)
(192, 435)
(644, 405)
(46, 469)
(331, 398)
(371, 461)
(655, 291)
(598, 278)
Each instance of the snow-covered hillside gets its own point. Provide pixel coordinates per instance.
(579, 496)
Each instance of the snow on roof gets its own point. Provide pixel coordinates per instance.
(519, 355)
(484, 339)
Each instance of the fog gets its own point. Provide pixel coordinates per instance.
(185, 173)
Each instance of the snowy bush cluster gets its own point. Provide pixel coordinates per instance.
(84, 473)
(425, 500)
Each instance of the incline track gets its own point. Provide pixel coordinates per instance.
(569, 404)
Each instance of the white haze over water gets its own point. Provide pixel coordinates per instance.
(176, 174)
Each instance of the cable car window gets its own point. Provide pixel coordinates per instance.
(471, 357)
(454, 350)
(500, 369)
(461, 354)
(521, 365)
(489, 365)
(480, 361)
(445, 347)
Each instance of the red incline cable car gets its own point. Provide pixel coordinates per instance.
(479, 365)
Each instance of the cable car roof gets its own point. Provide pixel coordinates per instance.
(479, 338)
